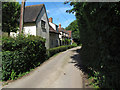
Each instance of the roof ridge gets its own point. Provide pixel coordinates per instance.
(34, 5)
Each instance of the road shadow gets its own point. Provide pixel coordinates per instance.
(77, 60)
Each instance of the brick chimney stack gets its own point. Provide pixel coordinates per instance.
(51, 19)
(59, 25)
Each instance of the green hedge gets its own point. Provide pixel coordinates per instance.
(52, 51)
(22, 54)
(99, 25)
(20, 42)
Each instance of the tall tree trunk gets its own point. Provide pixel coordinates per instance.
(22, 16)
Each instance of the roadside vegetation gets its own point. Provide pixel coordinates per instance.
(22, 54)
(53, 51)
(73, 26)
(10, 16)
(98, 24)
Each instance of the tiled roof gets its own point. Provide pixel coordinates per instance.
(52, 30)
(31, 12)
(62, 30)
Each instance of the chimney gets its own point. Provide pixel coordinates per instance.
(51, 19)
(59, 25)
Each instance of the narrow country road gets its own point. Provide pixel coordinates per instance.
(58, 72)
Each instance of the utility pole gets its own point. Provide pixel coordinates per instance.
(22, 16)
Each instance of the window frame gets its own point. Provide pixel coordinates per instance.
(43, 25)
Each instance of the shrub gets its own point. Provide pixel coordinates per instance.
(74, 44)
(52, 51)
(18, 43)
(21, 54)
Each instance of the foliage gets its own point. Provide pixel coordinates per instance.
(21, 54)
(75, 31)
(67, 41)
(53, 51)
(74, 44)
(99, 34)
(13, 75)
(10, 16)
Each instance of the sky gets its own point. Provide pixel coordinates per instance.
(57, 10)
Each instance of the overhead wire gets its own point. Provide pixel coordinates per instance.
(62, 14)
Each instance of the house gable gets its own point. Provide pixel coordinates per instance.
(36, 20)
(42, 25)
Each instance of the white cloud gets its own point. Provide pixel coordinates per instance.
(48, 11)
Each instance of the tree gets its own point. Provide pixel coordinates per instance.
(75, 31)
(10, 16)
(99, 28)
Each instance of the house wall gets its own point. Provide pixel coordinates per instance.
(29, 29)
(60, 36)
(60, 39)
(54, 40)
(53, 26)
(39, 31)
(13, 34)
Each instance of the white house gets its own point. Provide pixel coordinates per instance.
(36, 22)
(54, 34)
(63, 35)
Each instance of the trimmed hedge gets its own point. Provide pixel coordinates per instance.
(52, 51)
(21, 54)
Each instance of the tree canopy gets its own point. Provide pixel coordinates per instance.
(75, 31)
(10, 16)
(99, 26)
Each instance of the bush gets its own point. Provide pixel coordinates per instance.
(52, 51)
(20, 42)
(74, 44)
(22, 54)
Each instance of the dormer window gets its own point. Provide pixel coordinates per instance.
(43, 25)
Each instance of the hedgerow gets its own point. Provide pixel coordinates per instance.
(99, 25)
(21, 54)
(52, 51)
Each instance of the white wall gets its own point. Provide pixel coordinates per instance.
(13, 34)
(30, 30)
(53, 26)
(60, 36)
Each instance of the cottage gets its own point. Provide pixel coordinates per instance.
(70, 36)
(63, 36)
(36, 22)
(54, 34)
(54, 38)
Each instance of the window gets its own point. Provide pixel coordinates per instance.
(43, 25)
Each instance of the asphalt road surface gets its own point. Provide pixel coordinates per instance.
(60, 71)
